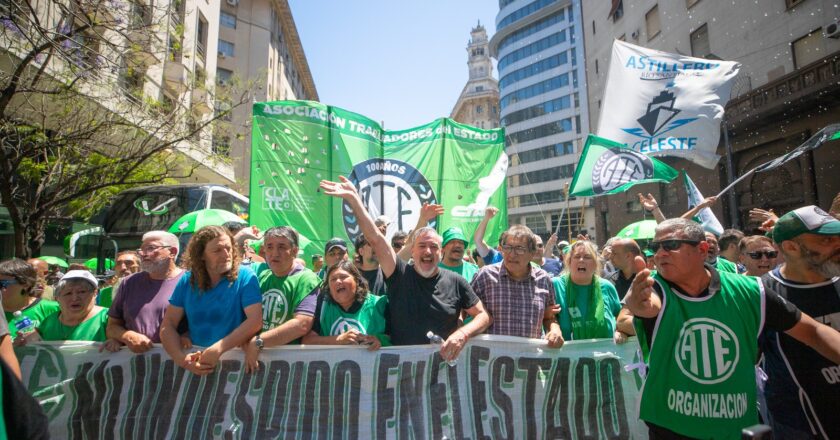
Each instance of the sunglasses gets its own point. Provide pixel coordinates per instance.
(4, 284)
(670, 245)
(769, 254)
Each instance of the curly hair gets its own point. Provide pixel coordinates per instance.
(194, 257)
(23, 272)
(347, 266)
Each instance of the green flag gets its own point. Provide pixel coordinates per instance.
(296, 144)
(608, 167)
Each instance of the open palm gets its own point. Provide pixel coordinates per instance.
(343, 189)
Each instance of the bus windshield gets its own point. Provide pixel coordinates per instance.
(147, 209)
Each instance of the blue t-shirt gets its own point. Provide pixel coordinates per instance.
(216, 313)
(492, 257)
(553, 266)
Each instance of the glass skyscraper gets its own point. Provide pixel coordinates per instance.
(542, 99)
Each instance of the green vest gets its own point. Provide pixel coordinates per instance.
(724, 265)
(36, 312)
(282, 295)
(701, 365)
(369, 319)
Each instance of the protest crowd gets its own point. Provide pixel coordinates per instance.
(221, 294)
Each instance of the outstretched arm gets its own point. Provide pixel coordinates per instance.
(478, 236)
(709, 201)
(384, 252)
(650, 205)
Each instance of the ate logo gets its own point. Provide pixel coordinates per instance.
(707, 351)
(342, 325)
(392, 188)
(275, 308)
(618, 166)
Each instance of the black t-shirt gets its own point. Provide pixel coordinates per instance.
(419, 304)
(376, 281)
(779, 315)
(803, 387)
(622, 285)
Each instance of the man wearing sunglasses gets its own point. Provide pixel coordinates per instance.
(803, 388)
(698, 328)
(757, 254)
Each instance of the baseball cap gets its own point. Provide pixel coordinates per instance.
(806, 220)
(81, 275)
(453, 233)
(335, 242)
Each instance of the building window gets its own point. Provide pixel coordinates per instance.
(201, 44)
(690, 3)
(593, 27)
(532, 29)
(652, 22)
(569, 222)
(541, 131)
(226, 48)
(554, 105)
(479, 88)
(596, 66)
(223, 76)
(227, 20)
(634, 206)
(536, 223)
(531, 49)
(617, 10)
(535, 89)
(806, 50)
(700, 42)
(534, 69)
(478, 109)
(221, 146)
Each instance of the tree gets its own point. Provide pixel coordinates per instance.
(88, 106)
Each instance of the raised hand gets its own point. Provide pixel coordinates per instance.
(648, 202)
(490, 212)
(343, 189)
(428, 212)
(641, 289)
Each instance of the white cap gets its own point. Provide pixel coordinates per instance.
(81, 275)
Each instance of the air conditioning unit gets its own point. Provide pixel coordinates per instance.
(635, 34)
(832, 30)
(233, 3)
(222, 55)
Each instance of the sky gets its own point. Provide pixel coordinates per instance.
(398, 61)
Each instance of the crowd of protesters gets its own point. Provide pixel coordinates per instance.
(776, 293)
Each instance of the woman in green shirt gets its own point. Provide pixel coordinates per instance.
(79, 318)
(347, 313)
(588, 303)
(17, 285)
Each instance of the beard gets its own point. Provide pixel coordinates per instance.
(155, 266)
(828, 268)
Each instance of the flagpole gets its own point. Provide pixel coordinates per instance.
(748, 174)
(734, 219)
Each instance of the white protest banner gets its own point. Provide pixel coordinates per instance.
(665, 104)
(500, 388)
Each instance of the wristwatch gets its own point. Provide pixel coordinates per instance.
(259, 342)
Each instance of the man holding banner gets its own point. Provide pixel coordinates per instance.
(698, 328)
(422, 297)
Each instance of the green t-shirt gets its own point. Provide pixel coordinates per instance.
(612, 305)
(106, 296)
(724, 265)
(51, 329)
(36, 312)
(701, 363)
(282, 295)
(368, 318)
(466, 270)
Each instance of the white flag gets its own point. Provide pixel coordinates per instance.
(705, 217)
(666, 104)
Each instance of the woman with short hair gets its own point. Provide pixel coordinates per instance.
(18, 280)
(347, 313)
(79, 319)
(588, 303)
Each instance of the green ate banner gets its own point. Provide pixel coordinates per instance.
(296, 144)
(500, 388)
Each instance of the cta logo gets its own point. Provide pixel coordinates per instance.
(707, 351)
(275, 308)
(276, 199)
(342, 325)
(618, 166)
(392, 188)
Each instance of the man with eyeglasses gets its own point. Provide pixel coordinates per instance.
(421, 297)
(518, 295)
(757, 255)
(136, 314)
(698, 329)
(803, 388)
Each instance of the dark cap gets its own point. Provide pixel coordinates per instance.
(335, 242)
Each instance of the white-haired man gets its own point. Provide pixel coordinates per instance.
(421, 297)
(137, 311)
